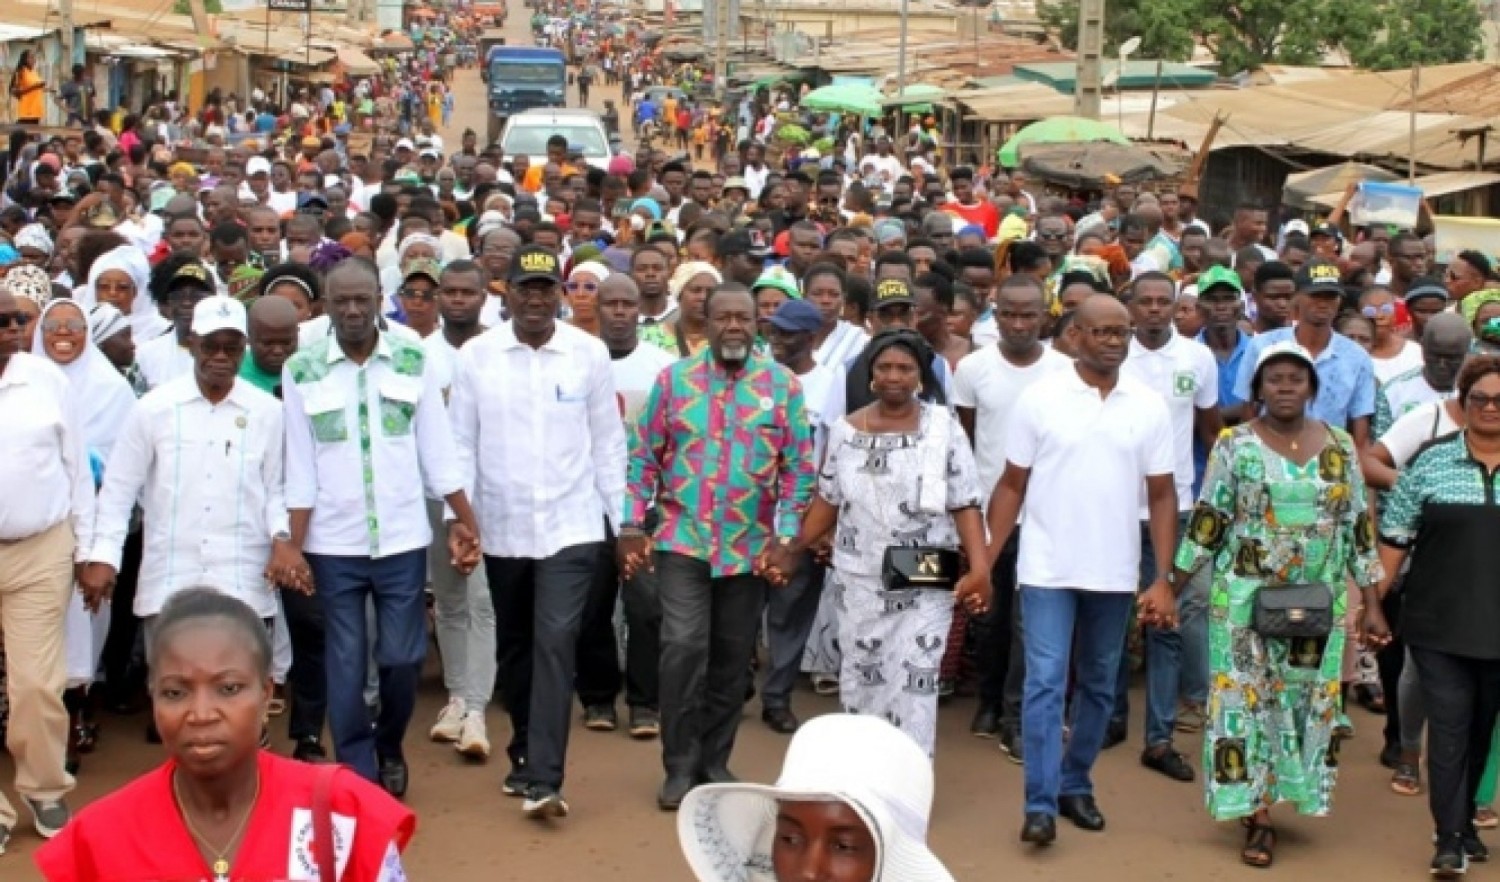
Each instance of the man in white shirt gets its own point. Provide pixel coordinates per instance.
(167, 357)
(46, 528)
(540, 442)
(465, 614)
(203, 455)
(367, 441)
(986, 387)
(1185, 375)
(1079, 446)
(792, 608)
(636, 365)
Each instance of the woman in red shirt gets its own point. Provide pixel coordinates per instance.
(221, 809)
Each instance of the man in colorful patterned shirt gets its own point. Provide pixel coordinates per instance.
(725, 449)
(367, 440)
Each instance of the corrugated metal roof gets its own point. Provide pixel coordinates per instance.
(1136, 74)
(10, 32)
(1433, 185)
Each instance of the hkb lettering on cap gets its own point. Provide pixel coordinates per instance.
(1323, 271)
(538, 262)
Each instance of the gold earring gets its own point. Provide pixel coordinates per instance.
(872, 385)
(919, 388)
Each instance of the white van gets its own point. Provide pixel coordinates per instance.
(527, 132)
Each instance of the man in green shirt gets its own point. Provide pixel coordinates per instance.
(273, 339)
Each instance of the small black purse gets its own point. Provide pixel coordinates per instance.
(1293, 611)
(907, 568)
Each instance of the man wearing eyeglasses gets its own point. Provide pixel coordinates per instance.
(1085, 433)
(46, 531)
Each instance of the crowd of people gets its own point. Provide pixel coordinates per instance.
(269, 399)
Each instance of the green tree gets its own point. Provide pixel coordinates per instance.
(1164, 26)
(1422, 32)
(212, 7)
(1245, 34)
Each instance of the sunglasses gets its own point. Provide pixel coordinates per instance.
(1383, 310)
(418, 293)
(19, 319)
(586, 287)
(1481, 401)
(72, 326)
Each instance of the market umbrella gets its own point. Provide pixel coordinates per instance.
(844, 98)
(1059, 130)
(1093, 165)
(915, 96)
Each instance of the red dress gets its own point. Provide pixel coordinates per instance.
(136, 834)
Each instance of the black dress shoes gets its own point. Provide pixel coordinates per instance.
(1040, 828)
(781, 720)
(673, 791)
(1082, 811)
(394, 776)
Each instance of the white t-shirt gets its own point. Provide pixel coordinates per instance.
(987, 382)
(1088, 457)
(635, 374)
(985, 331)
(1414, 428)
(1186, 376)
(817, 386)
(1409, 357)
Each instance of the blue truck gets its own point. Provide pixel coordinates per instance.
(522, 77)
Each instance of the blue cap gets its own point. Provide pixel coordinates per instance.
(306, 199)
(341, 129)
(797, 317)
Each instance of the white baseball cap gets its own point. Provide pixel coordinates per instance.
(218, 313)
(405, 144)
(257, 165)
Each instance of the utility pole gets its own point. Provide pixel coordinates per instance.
(901, 52)
(1411, 127)
(1089, 91)
(65, 13)
(723, 10)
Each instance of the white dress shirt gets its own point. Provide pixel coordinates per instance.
(540, 440)
(163, 359)
(365, 445)
(45, 477)
(209, 477)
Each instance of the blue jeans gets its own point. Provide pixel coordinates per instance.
(394, 583)
(1176, 660)
(1052, 615)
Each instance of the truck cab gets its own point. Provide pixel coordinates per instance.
(520, 78)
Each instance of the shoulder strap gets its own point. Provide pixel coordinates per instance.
(322, 812)
(1437, 417)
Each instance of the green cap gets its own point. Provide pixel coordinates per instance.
(777, 277)
(1215, 276)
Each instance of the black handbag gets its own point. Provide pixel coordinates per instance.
(907, 568)
(1293, 611)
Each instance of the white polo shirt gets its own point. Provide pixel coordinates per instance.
(1089, 457)
(1186, 376)
(987, 382)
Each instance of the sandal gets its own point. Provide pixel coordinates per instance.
(1260, 845)
(1407, 780)
(1485, 818)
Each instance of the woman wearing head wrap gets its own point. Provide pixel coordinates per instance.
(112, 334)
(32, 289)
(582, 292)
(687, 333)
(121, 277)
(63, 336)
(34, 245)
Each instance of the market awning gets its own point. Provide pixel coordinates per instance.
(356, 62)
(306, 57)
(1433, 185)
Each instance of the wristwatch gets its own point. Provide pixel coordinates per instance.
(282, 536)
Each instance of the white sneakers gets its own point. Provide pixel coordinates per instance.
(450, 722)
(473, 740)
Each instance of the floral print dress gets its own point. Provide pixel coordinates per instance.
(1262, 520)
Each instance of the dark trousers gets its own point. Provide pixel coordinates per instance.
(643, 641)
(1390, 661)
(1002, 656)
(790, 611)
(708, 633)
(539, 606)
(598, 680)
(124, 667)
(1462, 696)
(308, 678)
(345, 586)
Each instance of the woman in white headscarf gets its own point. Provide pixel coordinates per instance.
(687, 332)
(34, 244)
(32, 289)
(122, 278)
(64, 336)
(582, 293)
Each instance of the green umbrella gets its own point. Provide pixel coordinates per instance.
(844, 98)
(1059, 130)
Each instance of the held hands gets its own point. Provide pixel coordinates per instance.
(1158, 606)
(463, 547)
(633, 554)
(1374, 631)
(777, 565)
(288, 568)
(973, 591)
(97, 582)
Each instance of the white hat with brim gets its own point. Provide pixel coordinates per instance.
(1284, 349)
(728, 831)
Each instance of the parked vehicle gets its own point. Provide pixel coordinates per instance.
(520, 78)
(526, 134)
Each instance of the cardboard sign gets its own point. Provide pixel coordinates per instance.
(1452, 234)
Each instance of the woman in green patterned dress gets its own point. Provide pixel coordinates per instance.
(1282, 503)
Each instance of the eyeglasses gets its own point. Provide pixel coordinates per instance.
(186, 296)
(586, 287)
(233, 349)
(1115, 332)
(418, 293)
(1384, 310)
(18, 318)
(72, 326)
(1049, 236)
(1481, 401)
